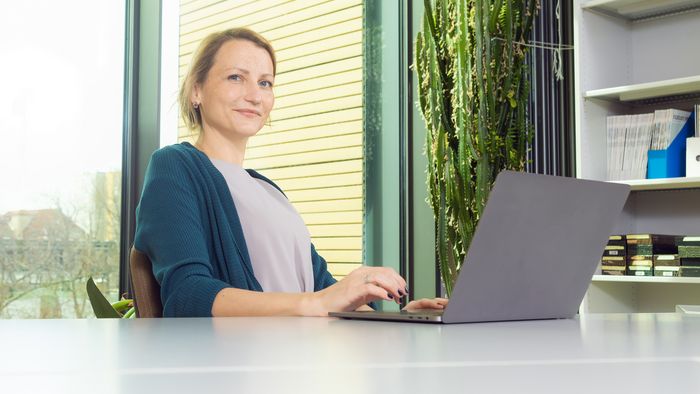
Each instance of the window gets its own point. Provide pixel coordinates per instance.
(313, 148)
(61, 121)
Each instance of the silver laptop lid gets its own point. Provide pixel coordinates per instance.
(535, 248)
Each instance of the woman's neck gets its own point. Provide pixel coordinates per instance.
(217, 146)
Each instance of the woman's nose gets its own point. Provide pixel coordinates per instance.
(253, 94)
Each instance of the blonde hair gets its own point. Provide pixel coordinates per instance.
(202, 62)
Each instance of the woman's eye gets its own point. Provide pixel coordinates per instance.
(265, 84)
(234, 77)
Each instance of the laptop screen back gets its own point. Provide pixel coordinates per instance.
(536, 247)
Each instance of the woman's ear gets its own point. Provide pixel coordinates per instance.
(196, 95)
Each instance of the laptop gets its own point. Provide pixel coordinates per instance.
(534, 252)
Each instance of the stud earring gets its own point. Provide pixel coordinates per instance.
(195, 105)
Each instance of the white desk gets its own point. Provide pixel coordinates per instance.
(646, 353)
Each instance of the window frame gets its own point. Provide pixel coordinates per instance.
(397, 188)
(141, 116)
(400, 232)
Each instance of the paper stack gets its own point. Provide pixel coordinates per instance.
(629, 138)
(667, 124)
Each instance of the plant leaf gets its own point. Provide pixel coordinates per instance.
(122, 305)
(473, 93)
(130, 313)
(102, 308)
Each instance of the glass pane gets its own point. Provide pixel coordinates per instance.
(169, 70)
(313, 146)
(61, 122)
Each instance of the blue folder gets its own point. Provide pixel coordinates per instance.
(670, 163)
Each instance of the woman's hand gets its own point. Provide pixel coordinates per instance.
(361, 286)
(425, 303)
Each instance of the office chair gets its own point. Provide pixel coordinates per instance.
(146, 288)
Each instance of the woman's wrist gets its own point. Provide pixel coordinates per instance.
(312, 304)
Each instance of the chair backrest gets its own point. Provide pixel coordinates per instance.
(146, 288)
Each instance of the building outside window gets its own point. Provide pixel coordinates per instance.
(61, 126)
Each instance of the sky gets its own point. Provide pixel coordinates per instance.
(61, 103)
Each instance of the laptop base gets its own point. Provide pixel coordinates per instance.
(423, 316)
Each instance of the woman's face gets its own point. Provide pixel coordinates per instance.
(237, 97)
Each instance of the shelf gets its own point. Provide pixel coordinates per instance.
(635, 10)
(663, 183)
(644, 279)
(657, 89)
(617, 73)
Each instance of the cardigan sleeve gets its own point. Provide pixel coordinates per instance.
(322, 278)
(170, 230)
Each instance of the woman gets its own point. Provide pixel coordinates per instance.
(225, 241)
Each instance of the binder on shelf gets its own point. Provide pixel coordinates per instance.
(670, 163)
(696, 110)
(692, 157)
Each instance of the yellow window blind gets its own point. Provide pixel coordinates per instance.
(314, 145)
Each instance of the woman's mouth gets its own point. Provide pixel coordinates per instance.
(251, 113)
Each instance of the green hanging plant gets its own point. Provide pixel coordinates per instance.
(473, 94)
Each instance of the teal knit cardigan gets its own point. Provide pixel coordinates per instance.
(187, 224)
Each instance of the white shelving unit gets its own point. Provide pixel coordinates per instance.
(644, 279)
(635, 56)
(663, 184)
(648, 90)
(635, 10)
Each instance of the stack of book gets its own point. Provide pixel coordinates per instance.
(667, 265)
(614, 260)
(630, 137)
(644, 249)
(689, 253)
(651, 255)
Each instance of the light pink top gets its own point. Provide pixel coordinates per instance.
(278, 241)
